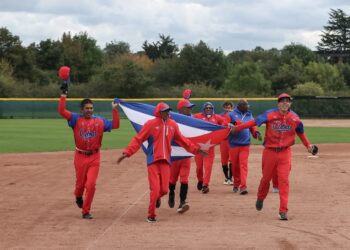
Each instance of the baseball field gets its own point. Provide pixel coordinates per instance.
(38, 209)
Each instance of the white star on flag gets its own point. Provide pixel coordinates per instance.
(206, 146)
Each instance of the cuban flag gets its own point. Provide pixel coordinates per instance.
(205, 134)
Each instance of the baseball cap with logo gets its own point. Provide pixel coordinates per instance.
(284, 95)
(184, 103)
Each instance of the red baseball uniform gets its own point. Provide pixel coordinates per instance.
(279, 137)
(88, 134)
(159, 134)
(206, 162)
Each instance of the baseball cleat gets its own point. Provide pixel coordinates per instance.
(79, 201)
(230, 182)
(205, 189)
(183, 208)
(259, 204)
(151, 219)
(235, 189)
(87, 216)
(283, 216)
(158, 203)
(226, 182)
(243, 191)
(275, 190)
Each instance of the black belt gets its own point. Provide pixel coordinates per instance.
(278, 149)
(87, 152)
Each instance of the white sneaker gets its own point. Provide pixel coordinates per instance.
(230, 182)
(226, 182)
(275, 190)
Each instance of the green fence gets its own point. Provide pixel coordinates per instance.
(306, 107)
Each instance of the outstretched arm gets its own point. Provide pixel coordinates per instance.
(115, 115)
(242, 126)
(62, 108)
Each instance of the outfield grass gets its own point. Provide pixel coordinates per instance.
(47, 135)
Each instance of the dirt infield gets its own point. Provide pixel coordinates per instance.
(38, 211)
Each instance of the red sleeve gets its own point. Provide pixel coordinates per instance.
(245, 125)
(136, 142)
(184, 142)
(62, 108)
(115, 121)
(304, 139)
(222, 121)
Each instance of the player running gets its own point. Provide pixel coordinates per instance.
(180, 168)
(240, 145)
(88, 133)
(281, 126)
(206, 162)
(159, 132)
(225, 147)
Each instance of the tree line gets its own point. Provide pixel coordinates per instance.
(162, 69)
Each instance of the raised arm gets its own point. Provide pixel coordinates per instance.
(62, 108)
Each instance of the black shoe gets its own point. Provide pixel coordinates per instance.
(159, 202)
(259, 204)
(235, 189)
(171, 200)
(151, 219)
(283, 216)
(79, 201)
(199, 185)
(243, 191)
(205, 189)
(87, 216)
(183, 207)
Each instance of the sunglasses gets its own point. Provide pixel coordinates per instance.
(208, 108)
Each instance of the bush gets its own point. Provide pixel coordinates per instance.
(308, 89)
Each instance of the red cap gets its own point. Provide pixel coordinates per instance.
(64, 72)
(187, 94)
(184, 103)
(284, 95)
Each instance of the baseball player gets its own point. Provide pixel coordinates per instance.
(224, 146)
(239, 146)
(88, 133)
(206, 162)
(180, 167)
(281, 126)
(159, 132)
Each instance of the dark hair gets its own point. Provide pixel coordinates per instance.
(227, 103)
(84, 102)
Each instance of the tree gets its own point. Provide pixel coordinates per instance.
(165, 48)
(288, 75)
(247, 79)
(300, 51)
(49, 54)
(308, 89)
(335, 39)
(202, 64)
(115, 48)
(325, 74)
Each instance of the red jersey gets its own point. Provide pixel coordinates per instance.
(159, 135)
(280, 129)
(214, 118)
(88, 132)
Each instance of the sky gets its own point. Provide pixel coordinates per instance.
(229, 25)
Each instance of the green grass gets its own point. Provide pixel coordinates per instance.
(47, 135)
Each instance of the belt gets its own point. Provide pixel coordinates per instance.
(87, 152)
(278, 149)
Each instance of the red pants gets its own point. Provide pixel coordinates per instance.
(239, 160)
(275, 179)
(280, 162)
(180, 168)
(86, 172)
(225, 152)
(158, 178)
(206, 163)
